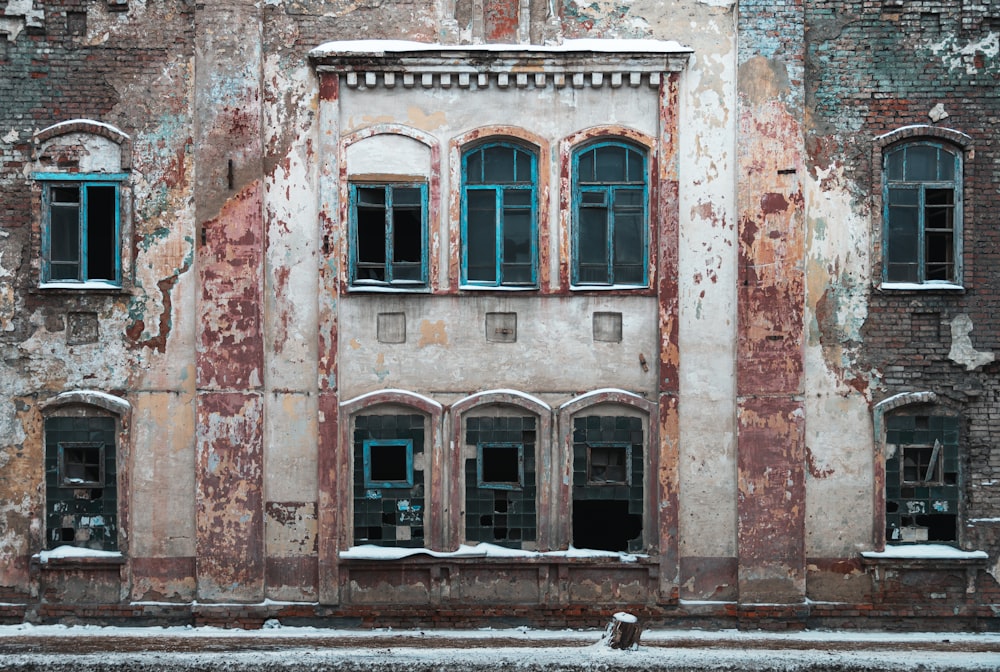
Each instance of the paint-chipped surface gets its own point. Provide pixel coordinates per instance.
(763, 362)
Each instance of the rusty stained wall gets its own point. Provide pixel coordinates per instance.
(114, 342)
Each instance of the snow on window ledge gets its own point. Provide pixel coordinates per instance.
(929, 553)
(921, 287)
(75, 554)
(372, 552)
(86, 285)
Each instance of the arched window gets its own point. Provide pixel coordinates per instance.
(922, 213)
(499, 216)
(610, 215)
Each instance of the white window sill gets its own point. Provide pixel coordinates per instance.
(388, 289)
(71, 555)
(89, 284)
(921, 286)
(924, 554)
(608, 288)
(497, 288)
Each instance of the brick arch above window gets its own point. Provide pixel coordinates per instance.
(917, 131)
(86, 127)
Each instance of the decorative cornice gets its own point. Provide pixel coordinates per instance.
(577, 64)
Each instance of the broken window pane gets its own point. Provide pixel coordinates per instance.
(500, 486)
(81, 232)
(388, 480)
(80, 482)
(922, 496)
(389, 235)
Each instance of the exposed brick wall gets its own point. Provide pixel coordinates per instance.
(877, 67)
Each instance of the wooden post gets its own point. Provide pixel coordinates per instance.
(623, 631)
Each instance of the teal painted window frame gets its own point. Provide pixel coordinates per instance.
(898, 183)
(392, 268)
(520, 188)
(626, 447)
(610, 195)
(499, 485)
(84, 182)
(370, 481)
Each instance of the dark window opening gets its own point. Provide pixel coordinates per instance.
(82, 233)
(388, 229)
(82, 464)
(922, 494)
(611, 216)
(388, 464)
(605, 525)
(501, 466)
(500, 487)
(608, 465)
(81, 498)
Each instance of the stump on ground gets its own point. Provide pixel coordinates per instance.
(623, 631)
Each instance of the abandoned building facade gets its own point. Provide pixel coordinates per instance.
(510, 312)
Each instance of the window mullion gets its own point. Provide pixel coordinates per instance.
(81, 231)
(921, 233)
(498, 233)
(610, 247)
(389, 237)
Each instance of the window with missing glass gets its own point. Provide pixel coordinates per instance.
(922, 200)
(922, 488)
(610, 215)
(388, 235)
(499, 216)
(81, 491)
(81, 229)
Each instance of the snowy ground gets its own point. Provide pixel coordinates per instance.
(286, 649)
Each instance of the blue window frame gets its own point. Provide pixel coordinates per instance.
(500, 466)
(610, 215)
(388, 235)
(388, 463)
(499, 216)
(81, 228)
(922, 214)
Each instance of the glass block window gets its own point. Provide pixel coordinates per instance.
(608, 482)
(500, 486)
(389, 480)
(922, 490)
(81, 490)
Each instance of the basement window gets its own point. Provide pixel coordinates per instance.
(500, 481)
(81, 230)
(608, 498)
(81, 500)
(922, 478)
(388, 483)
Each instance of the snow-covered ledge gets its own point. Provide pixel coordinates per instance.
(483, 550)
(74, 555)
(924, 555)
(368, 64)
